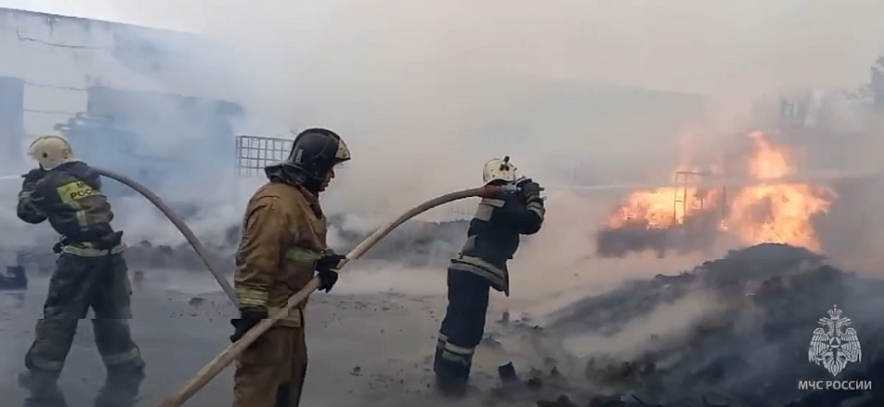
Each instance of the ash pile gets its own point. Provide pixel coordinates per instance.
(735, 332)
(414, 244)
(698, 233)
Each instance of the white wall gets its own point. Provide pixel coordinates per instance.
(59, 57)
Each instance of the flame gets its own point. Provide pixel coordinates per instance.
(770, 213)
(660, 208)
(777, 213)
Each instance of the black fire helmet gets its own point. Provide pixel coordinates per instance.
(316, 151)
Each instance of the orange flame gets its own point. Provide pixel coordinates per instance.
(770, 213)
(660, 208)
(777, 213)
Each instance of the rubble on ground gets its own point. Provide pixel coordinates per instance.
(748, 347)
(414, 244)
(698, 234)
(14, 279)
(145, 255)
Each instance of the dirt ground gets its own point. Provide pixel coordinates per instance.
(369, 343)
(364, 348)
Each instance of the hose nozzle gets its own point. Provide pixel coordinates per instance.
(490, 191)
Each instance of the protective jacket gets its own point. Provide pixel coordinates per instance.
(493, 236)
(283, 236)
(70, 197)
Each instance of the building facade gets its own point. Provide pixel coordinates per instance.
(123, 95)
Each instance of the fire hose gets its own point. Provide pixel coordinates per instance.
(178, 222)
(226, 357)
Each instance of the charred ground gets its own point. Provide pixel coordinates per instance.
(746, 346)
(731, 332)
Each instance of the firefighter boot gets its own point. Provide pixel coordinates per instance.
(43, 389)
(121, 386)
(450, 386)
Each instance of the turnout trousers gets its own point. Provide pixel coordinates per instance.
(78, 283)
(462, 329)
(271, 372)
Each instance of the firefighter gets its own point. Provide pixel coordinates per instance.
(492, 239)
(90, 272)
(283, 246)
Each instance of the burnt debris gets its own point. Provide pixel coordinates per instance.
(14, 279)
(415, 244)
(752, 348)
(697, 234)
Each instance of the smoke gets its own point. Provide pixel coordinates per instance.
(667, 324)
(424, 92)
(446, 73)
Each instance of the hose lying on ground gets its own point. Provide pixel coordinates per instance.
(176, 220)
(226, 357)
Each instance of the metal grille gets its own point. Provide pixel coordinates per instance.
(253, 153)
(683, 198)
(681, 192)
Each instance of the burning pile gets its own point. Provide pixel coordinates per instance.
(752, 341)
(688, 218)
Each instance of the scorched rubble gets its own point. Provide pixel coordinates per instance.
(750, 351)
(415, 244)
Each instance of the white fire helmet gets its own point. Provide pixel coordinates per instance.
(499, 170)
(50, 151)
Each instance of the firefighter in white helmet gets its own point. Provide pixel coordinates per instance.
(91, 272)
(50, 151)
(492, 239)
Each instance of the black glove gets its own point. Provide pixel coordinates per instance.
(327, 270)
(248, 318)
(33, 176)
(529, 190)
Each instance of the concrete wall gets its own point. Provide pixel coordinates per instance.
(59, 57)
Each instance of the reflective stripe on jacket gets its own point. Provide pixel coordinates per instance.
(283, 236)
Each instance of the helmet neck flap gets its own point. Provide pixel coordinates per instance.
(314, 153)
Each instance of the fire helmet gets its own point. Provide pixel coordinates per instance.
(50, 151)
(316, 151)
(499, 170)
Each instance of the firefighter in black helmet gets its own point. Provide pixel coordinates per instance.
(315, 153)
(283, 246)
